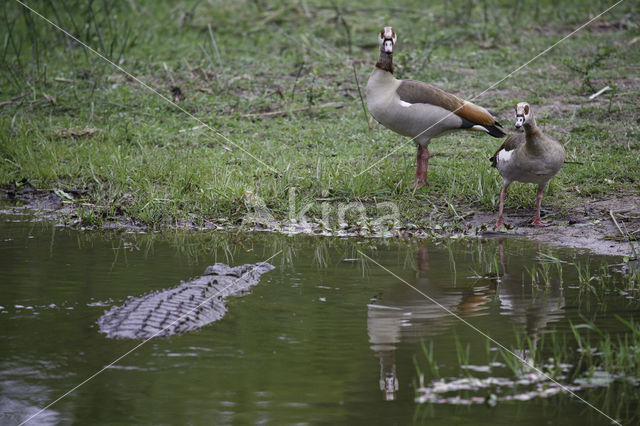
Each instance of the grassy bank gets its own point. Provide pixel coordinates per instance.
(276, 82)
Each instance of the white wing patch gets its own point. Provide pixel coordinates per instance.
(405, 104)
(479, 128)
(504, 155)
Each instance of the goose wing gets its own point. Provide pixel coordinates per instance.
(511, 143)
(412, 91)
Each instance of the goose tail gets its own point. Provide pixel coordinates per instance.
(495, 130)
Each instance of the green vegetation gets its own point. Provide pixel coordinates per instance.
(584, 358)
(600, 367)
(276, 81)
(594, 354)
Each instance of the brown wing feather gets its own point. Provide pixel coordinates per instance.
(511, 143)
(476, 114)
(412, 91)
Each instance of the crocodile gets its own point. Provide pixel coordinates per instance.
(186, 307)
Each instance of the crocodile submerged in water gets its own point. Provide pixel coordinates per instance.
(189, 306)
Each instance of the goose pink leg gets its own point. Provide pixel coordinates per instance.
(536, 220)
(422, 160)
(500, 222)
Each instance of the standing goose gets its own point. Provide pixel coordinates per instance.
(529, 157)
(419, 110)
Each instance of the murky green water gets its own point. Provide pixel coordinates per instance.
(312, 344)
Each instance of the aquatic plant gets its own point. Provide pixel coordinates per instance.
(592, 359)
(429, 356)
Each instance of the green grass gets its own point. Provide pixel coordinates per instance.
(144, 162)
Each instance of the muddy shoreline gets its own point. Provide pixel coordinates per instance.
(592, 227)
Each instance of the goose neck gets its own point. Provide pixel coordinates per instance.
(385, 62)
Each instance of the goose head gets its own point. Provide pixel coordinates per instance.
(523, 114)
(387, 39)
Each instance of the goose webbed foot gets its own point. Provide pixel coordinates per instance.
(538, 222)
(500, 225)
(419, 182)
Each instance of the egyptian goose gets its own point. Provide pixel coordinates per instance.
(529, 157)
(419, 110)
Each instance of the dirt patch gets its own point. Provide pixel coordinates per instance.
(589, 226)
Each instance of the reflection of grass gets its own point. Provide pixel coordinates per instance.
(592, 278)
(589, 357)
(240, 58)
(604, 369)
(583, 357)
(227, 247)
(608, 280)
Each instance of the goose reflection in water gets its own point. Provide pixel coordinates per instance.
(533, 305)
(401, 314)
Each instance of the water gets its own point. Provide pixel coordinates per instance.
(313, 343)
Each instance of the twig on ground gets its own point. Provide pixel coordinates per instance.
(627, 217)
(75, 132)
(285, 112)
(12, 100)
(616, 223)
(599, 92)
(50, 98)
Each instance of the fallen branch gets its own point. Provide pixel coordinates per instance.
(626, 217)
(599, 92)
(52, 100)
(12, 100)
(75, 132)
(286, 112)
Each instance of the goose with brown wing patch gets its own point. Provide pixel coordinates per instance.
(529, 157)
(419, 110)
